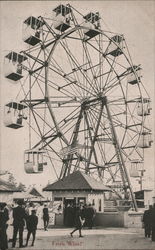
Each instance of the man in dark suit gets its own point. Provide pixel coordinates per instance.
(90, 215)
(153, 222)
(19, 217)
(32, 221)
(45, 217)
(147, 222)
(4, 217)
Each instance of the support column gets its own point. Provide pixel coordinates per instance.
(123, 171)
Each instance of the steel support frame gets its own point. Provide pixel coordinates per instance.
(123, 170)
(95, 133)
(68, 161)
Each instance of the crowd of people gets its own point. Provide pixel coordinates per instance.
(149, 222)
(22, 215)
(29, 216)
(33, 217)
(88, 213)
(78, 216)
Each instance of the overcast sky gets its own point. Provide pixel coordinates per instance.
(134, 19)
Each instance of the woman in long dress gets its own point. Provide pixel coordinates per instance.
(40, 216)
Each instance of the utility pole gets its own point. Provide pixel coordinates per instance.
(141, 178)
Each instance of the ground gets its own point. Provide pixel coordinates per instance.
(104, 239)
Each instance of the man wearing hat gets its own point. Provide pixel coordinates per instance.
(19, 217)
(4, 217)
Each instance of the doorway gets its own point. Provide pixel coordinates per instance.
(69, 211)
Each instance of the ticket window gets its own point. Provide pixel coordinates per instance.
(69, 201)
(81, 200)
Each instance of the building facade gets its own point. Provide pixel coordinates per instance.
(77, 188)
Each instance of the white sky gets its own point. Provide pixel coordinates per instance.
(134, 19)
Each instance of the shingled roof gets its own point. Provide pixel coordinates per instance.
(8, 187)
(77, 181)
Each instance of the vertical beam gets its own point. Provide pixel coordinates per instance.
(123, 171)
(68, 162)
(47, 95)
(94, 138)
(30, 112)
(90, 135)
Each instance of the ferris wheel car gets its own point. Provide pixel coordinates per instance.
(145, 140)
(144, 107)
(136, 167)
(13, 66)
(134, 171)
(31, 30)
(14, 115)
(91, 24)
(62, 17)
(116, 46)
(134, 74)
(33, 161)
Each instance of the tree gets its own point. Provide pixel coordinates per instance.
(21, 187)
(12, 180)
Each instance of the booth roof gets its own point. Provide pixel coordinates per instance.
(77, 181)
(8, 187)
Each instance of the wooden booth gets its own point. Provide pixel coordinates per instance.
(75, 189)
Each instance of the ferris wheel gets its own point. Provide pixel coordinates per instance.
(81, 97)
